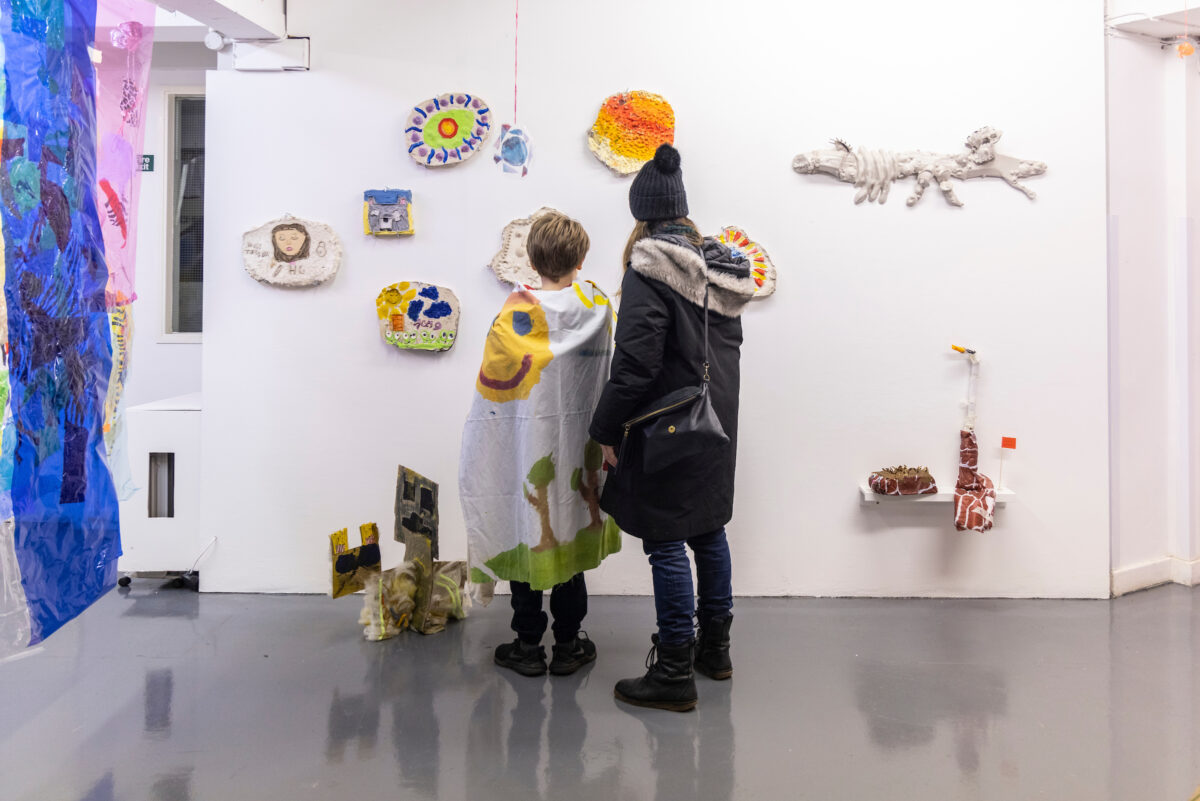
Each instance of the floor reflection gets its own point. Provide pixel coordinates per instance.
(101, 790)
(157, 692)
(162, 601)
(929, 676)
(692, 755)
(172, 787)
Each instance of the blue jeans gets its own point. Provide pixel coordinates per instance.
(673, 601)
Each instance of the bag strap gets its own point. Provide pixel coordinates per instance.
(706, 286)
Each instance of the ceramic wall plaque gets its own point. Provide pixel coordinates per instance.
(511, 263)
(387, 212)
(762, 269)
(417, 316)
(447, 129)
(292, 252)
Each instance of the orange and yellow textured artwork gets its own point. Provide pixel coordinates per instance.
(629, 128)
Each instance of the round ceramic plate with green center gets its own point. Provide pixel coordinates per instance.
(447, 129)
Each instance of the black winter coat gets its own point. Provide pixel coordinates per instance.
(660, 348)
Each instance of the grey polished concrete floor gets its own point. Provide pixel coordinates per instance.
(167, 695)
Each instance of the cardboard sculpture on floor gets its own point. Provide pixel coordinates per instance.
(291, 252)
(629, 128)
(416, 509)
(529, 476)
(903, 480)
(874, 171)
(762, 269)
(420, 593)
(447, 129)
(387, 212)
(974, 494)
(417, 316)
(511, 263)
(352, 567)
(437, 586)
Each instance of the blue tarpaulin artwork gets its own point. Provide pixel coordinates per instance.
(59, 530)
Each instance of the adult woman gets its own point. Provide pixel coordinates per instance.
(671, 274)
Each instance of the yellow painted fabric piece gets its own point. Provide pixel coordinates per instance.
(516, 351)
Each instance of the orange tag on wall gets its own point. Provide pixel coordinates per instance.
(1008, 442)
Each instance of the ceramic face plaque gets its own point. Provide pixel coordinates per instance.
(292, 252)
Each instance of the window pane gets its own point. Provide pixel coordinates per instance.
(188, 164)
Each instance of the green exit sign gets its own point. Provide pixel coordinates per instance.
(147, 162)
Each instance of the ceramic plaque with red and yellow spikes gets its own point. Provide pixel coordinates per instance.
(761, 266)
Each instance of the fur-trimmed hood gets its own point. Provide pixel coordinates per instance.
(677, 263)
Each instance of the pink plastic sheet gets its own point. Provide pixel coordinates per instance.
(125, 39)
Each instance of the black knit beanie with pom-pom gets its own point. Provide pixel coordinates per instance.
(657, 190)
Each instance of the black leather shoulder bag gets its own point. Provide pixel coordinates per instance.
(680, 424)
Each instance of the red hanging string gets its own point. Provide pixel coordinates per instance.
(516, 33)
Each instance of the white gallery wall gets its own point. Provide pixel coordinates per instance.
(1153, 168)
(845, 370)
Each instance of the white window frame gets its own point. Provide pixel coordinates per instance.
(166, 335)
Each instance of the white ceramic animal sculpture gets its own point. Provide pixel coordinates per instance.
(874, 171)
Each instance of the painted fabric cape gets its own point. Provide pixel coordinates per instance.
(529, 475)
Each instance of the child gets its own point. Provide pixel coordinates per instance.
(529, 475)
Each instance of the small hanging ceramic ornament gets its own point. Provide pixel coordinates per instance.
(292, 252)
(512, 151)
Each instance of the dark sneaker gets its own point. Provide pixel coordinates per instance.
(528, 660)
(571, 656)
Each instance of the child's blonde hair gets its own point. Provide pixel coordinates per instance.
(557, 245)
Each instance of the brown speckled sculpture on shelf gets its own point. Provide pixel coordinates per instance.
(903, 480)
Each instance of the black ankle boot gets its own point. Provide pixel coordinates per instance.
(668, 683)
(712, 649)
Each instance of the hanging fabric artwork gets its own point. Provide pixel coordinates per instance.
(629, 128)
(529, 476)
(59, 531)
(974, 494)
(124, 41)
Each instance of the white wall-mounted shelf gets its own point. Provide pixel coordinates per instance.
(1003, 496)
